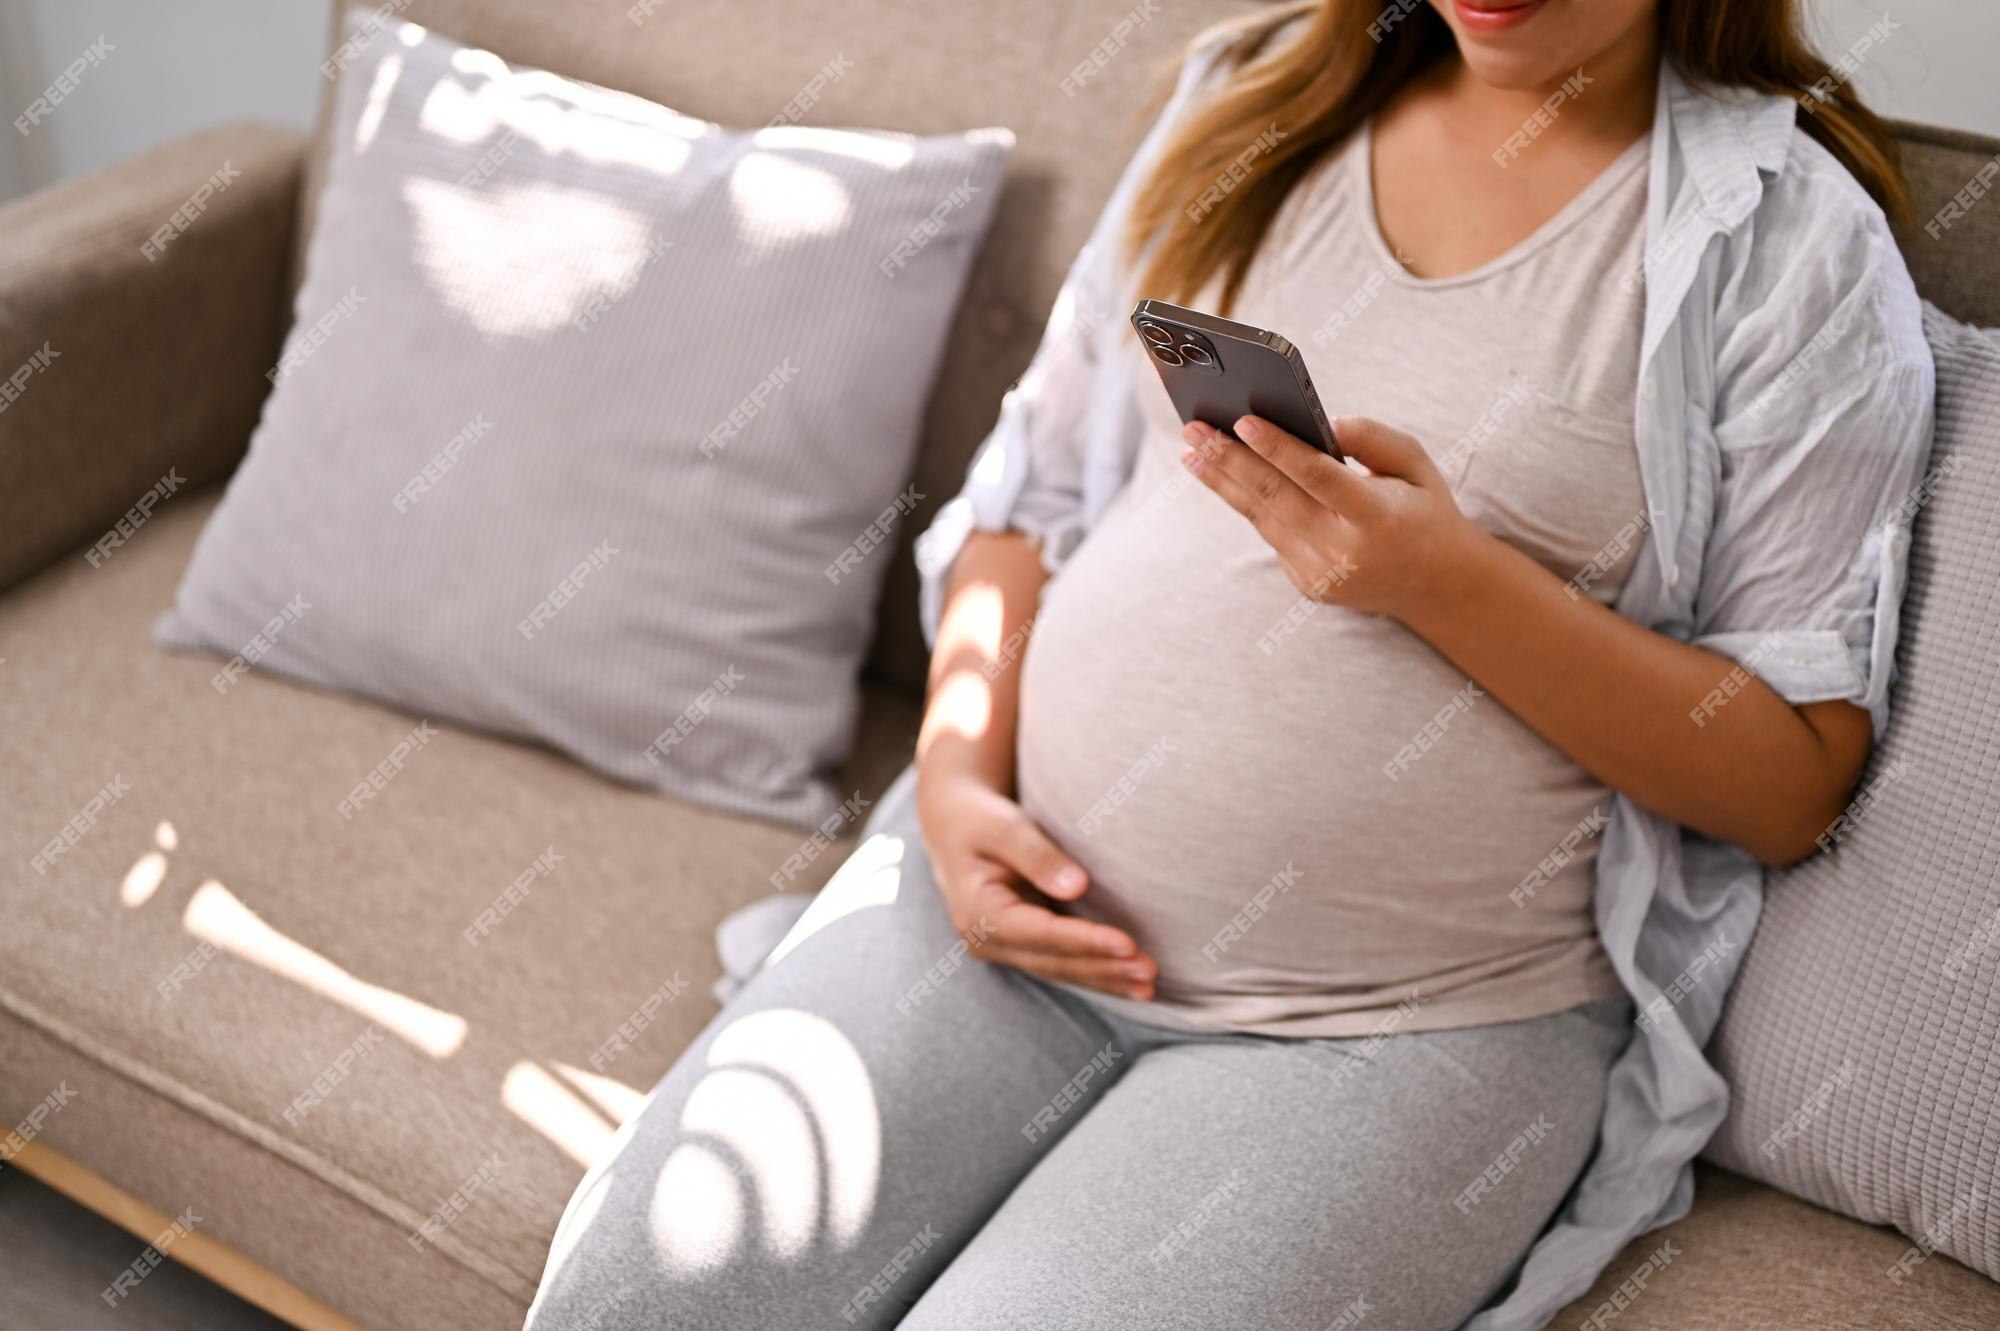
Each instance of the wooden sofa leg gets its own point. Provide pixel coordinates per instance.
(197, 1251)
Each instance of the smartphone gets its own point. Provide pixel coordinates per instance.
(1217, 370)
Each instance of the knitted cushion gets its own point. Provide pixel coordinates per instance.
(1862, 1038)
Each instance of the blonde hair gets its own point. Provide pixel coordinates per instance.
(1349, 57)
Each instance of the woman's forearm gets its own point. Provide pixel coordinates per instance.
(1624, 702)
(975, 680)
(1628, 705)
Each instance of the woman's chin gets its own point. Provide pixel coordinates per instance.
(1509, 71)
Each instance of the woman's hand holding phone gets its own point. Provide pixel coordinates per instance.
(1390, 540)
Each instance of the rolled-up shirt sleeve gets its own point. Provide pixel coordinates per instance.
(1029, 474)
(1823, 425)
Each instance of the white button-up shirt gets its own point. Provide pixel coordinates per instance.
(1782, 423)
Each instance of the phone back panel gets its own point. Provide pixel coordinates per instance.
(1250, 376)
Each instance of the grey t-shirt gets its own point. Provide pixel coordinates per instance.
(1315, 823)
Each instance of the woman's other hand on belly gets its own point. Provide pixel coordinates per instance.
(992, 861)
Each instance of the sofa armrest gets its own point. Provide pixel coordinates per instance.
(140, 306)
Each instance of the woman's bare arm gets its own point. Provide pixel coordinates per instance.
(989, 855)
(975, 689)
(1689, 734)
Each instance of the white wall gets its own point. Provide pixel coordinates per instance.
(1939, 64)
(173, 66)
(185, 63)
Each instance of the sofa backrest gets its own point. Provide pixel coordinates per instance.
(1953, 248)
(931, 70)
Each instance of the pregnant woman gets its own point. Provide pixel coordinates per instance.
(1318, 879)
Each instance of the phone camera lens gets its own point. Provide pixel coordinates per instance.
(1167, 355)
(1197, 355)
(1157, 335)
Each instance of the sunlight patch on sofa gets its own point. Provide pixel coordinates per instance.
(216, 915)
(143, 879)
(571, 1124)
(613, 1098)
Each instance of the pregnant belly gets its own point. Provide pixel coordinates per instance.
(1282, 799)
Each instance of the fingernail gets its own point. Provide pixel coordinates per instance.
(1070, 879)
(1248, 428)
(1191, 432)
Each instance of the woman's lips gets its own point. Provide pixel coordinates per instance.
(1495, 15)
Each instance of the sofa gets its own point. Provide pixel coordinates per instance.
(211, 945)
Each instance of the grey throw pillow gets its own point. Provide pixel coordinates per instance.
(1862, 1039)
(595, 422)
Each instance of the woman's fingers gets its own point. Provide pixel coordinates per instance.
(1057, 947)
(1132, 979)
(1333, 484)
(1385, 451)
(1026, 927)
(1005, 856)
(1293, 548)
(1269, 486)
(1023, 847)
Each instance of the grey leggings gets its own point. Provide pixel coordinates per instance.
(876, 1133)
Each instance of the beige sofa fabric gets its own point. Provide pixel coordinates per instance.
(157, 364)
(1751, 1259)
(1953, 242)
(481, 1049)
(280, 1215)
